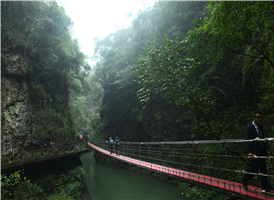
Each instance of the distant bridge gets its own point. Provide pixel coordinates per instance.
(219, 167)
(21, 157)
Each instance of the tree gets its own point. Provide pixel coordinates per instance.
(244, 29)
(118, 55)
(192, 71)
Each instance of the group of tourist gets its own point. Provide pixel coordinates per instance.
(115, 143)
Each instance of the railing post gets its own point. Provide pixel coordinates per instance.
(160, 154)
(226, 155)
(131, 151)
(188, 154)
(173, 164)
(149, 153)
(220, 172)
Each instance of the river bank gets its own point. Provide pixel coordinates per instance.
(55, 180)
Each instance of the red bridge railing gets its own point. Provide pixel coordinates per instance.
(219, 164)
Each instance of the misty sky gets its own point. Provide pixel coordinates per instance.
(98, 18)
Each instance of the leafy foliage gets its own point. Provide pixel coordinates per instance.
(13, 184)
(121, 112)
(68, 184)
(246, 39)
(200, 76)
(200, 193)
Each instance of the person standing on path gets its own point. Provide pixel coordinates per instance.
(254, 149)
(111, 145)
(117, 145)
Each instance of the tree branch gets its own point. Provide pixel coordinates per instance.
(205, 118)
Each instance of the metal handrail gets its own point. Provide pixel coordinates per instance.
(21, 156)
(197, 141)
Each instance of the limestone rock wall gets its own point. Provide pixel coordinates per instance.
(17, 130)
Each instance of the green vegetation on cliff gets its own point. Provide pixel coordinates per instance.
(42, 69)
(53, 67)
(202, 69)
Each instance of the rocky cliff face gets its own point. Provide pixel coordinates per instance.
(38, 56)
(24, 121)
(15, 107)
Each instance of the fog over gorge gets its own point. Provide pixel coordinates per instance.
(74, 72)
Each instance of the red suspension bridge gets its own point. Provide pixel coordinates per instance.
(213, 164)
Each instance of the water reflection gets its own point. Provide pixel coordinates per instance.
(104, 182)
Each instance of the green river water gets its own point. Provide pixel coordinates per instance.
(104, 182)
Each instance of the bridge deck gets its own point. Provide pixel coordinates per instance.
(216, 182)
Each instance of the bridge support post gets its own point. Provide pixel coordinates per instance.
(173, 149)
